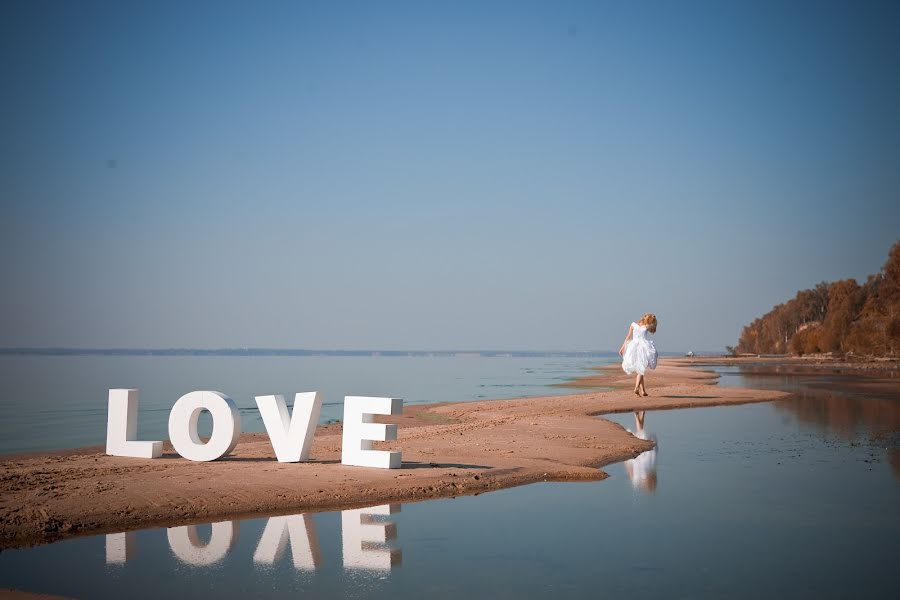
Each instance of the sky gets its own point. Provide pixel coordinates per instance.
(437, 175)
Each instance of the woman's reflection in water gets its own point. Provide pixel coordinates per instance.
(642, 469)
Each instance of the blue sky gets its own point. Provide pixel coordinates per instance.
(437, 175)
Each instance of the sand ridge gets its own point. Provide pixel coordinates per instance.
(448, 450)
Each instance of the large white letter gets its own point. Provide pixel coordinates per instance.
(121, 427)
(365, 539)
(291, 435)
(185, 543)
(300, 531)
(360, 431)
(183, 425)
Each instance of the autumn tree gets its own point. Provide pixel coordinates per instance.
(843, 308)
(834, 317)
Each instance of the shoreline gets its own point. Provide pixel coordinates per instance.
(812, 362)
(449, 449)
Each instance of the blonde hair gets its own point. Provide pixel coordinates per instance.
(649, 320)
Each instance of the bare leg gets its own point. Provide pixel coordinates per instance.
(637, 385)
(639, 418)
(643, 389)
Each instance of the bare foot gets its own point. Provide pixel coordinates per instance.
(636, 392)
(645, 393)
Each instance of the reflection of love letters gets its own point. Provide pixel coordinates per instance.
(291, 434)
(368, 540)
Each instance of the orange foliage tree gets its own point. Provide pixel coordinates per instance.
(837, 317)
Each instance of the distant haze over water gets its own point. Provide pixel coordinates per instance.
(297, 352)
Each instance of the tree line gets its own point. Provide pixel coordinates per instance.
(839, 317)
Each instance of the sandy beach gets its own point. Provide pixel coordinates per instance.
(448, 450)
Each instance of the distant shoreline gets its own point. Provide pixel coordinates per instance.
(811, 363)
(51, 351)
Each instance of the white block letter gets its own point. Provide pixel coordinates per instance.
(360, 431)
(183, 425)
(121, 427)
(365, 539)
(300, 531)
(185, 543)
(291, 435)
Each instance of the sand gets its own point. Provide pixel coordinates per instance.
(448, 450)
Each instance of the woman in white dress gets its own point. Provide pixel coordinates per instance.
(638, 352)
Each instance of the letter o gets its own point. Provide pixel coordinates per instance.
(183, 425)
(185, 543)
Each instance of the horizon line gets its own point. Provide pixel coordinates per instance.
(263, 350)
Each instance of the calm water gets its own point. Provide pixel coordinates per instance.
(50, 402)
(764, 500)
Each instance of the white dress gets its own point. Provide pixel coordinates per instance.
(642, 467)
(640, 353)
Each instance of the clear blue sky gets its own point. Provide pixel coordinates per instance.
(437, 175)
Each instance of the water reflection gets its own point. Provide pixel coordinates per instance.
(120, 547)
(842, 414)
(859, 407)
(365, 538)
(798, 501)
(368, 541)
(877, 421)
(186, 544)
(642, 469)
(297, 530)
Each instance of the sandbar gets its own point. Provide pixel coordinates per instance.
(449, 449)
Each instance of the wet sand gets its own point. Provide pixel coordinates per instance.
(448, 450)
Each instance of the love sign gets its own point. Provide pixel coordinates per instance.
(291, 435)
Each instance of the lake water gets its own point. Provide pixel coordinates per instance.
(779, 499)
(52, 402)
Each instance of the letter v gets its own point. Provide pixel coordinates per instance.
(291, 435)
